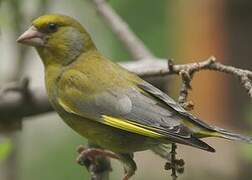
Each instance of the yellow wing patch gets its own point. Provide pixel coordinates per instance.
(130, 126)
(122, 124)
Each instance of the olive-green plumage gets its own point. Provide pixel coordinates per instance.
(104, 102)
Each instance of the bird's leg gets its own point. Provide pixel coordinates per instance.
(88, 157)
(129, 165)
(176, 165)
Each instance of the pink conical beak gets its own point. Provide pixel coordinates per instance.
(32, 37)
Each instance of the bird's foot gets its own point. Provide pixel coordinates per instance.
(129, 165)
(88, 157)
(126, 177)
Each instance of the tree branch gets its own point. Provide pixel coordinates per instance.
(132, 43)
(14, 102)
(187, 72)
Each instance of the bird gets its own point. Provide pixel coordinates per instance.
(107, 104)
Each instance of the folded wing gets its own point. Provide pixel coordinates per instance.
(129, 109)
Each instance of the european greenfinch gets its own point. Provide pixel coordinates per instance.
(105, 103)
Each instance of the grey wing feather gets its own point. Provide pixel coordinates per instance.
(134, 106)
(174, 105)
(131, 104)
(145, 110)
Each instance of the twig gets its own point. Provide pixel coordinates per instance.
(187, 72)
(174, 164)
(132, 43)
(173, 161)
(186, 80)
(151, 68)
(98, 170)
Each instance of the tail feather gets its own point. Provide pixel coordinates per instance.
(232, 136)
(195, 142)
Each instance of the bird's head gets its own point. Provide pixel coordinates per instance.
(58, 38)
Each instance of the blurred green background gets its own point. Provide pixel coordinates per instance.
(186, 31)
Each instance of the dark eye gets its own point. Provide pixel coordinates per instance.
(52, 27)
